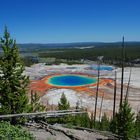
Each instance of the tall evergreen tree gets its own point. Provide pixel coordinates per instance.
(13, 83)
(125, 122)
(63, 104)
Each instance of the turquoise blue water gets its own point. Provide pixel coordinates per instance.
(71, 80)
(102, 67)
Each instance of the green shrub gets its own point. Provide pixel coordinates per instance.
(11, 132)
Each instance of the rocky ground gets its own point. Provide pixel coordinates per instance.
(57, 132)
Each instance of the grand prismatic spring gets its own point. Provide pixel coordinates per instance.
(71, 80)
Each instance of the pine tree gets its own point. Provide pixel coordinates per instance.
(113, 124)
(13, 84)
(85, 120)
(125, 122)
(63, 104)
(137, 125)
(104, 124)
(81, 120)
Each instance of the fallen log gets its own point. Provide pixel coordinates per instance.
(47, 114)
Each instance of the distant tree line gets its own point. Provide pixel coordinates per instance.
(30, 60)
(112, 55)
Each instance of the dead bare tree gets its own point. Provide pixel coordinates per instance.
(96, 98)
(115, 89)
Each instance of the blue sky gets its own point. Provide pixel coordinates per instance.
(61, 21)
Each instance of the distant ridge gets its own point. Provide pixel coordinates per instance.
(76, 45)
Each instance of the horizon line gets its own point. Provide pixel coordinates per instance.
(76, 42)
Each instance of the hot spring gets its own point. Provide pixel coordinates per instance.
(71, 80)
